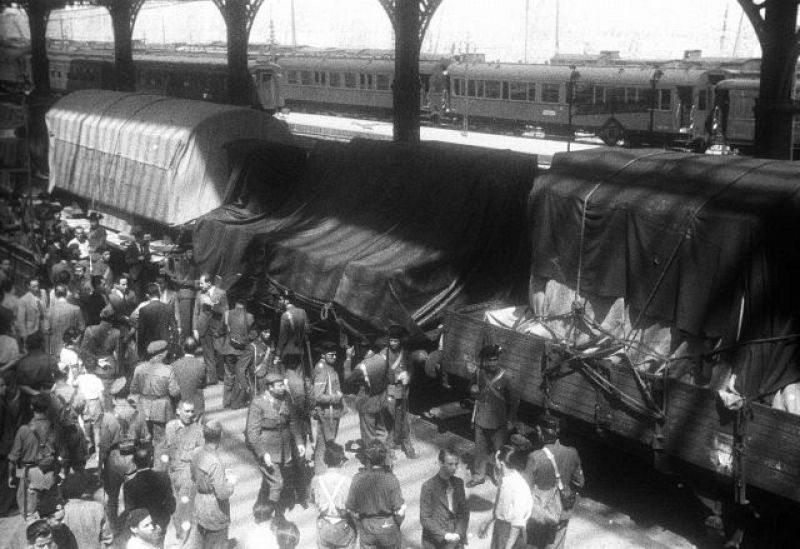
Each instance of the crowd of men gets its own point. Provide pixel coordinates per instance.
(101, 400)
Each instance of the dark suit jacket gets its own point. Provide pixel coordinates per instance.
(132, 253)
(151, 490)
(156, 322)
(436, 517)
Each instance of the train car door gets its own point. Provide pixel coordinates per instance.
(685, 106)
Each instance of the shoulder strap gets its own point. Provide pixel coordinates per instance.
(328, 496)
(552, 459)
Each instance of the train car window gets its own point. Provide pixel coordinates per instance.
(631, 95)
(458, 86)
(350, 80)
(306, 78)
(293, 77)
(475, 88)
(531, 92)
(617, 96)
(383, 82)
(320, 78)
(551, 93)
(367, 81)
(665, 97)
(493, 89)
(599, 95)
(702, 100)
(505, 90)
(336, 80)
(584, 94)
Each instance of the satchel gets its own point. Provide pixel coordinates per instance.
(547, 504)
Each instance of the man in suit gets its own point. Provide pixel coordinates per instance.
(31, 309)
(61, 316)
(137, 258)
(443, 510)
(210, 307)
(156, 321)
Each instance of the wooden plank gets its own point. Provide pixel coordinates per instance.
(698, 431)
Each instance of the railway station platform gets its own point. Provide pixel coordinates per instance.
(337, 128)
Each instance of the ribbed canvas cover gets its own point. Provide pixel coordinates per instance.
(386, 232)
(708, 245)
(156, 157)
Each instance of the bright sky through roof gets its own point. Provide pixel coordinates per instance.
(637, 28)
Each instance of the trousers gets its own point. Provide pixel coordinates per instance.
(487, 441)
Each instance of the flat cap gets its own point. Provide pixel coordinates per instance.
(156, 347)
(273, 378)
(491, 351)
(396, 332)
(95, 216)
(136, 516)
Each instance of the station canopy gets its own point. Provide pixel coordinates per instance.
(150, 157)
(707, 245)
(384, 232)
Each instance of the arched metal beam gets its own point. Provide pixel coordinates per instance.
(239, 16)
(410, 20)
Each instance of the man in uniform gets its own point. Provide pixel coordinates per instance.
(184, 437)
(293, 329)
(121, 430)
(137, 258)
(190, 373)
(212, 512)
(274, 438)
(328, 403)
(210, 307)
(300, 397)
(399, 374)
(33, 459)
(99, 351)
(153, 383)
(496, 403)
(97, 236)
(540, 471)
(375, 501)
(371, 374)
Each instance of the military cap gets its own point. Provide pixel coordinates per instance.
(328, 347)
(491, 351)
(117, 386)
(95, 216)
(548, 422)
(156, 347)
(291, 360)
(273, 378)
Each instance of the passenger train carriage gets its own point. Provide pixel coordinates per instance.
(616, 103)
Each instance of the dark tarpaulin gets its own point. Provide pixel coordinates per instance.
(386, 232)
(682, 237)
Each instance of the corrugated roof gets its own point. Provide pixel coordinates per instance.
(150, 156)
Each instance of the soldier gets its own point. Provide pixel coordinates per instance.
(33, 459)
(190, 373)
(496, 403)
(371, 374)
(99, 351)
(328, 403)
(300, 397)
(273, 437)
(237, 351)
(184, 437)
(153, 383)
(399, 374)
(209, 326)
(214, 489)
(121, 430)
(293, 332)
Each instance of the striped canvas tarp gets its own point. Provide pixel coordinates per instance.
(147, 156)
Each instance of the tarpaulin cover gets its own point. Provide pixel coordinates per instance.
(386, 232)
(709, 245)
(158, 158)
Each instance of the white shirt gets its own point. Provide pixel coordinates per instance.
(89, 386)
(68, 361)
(138, 543)
(514, 500)
(259, 536)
